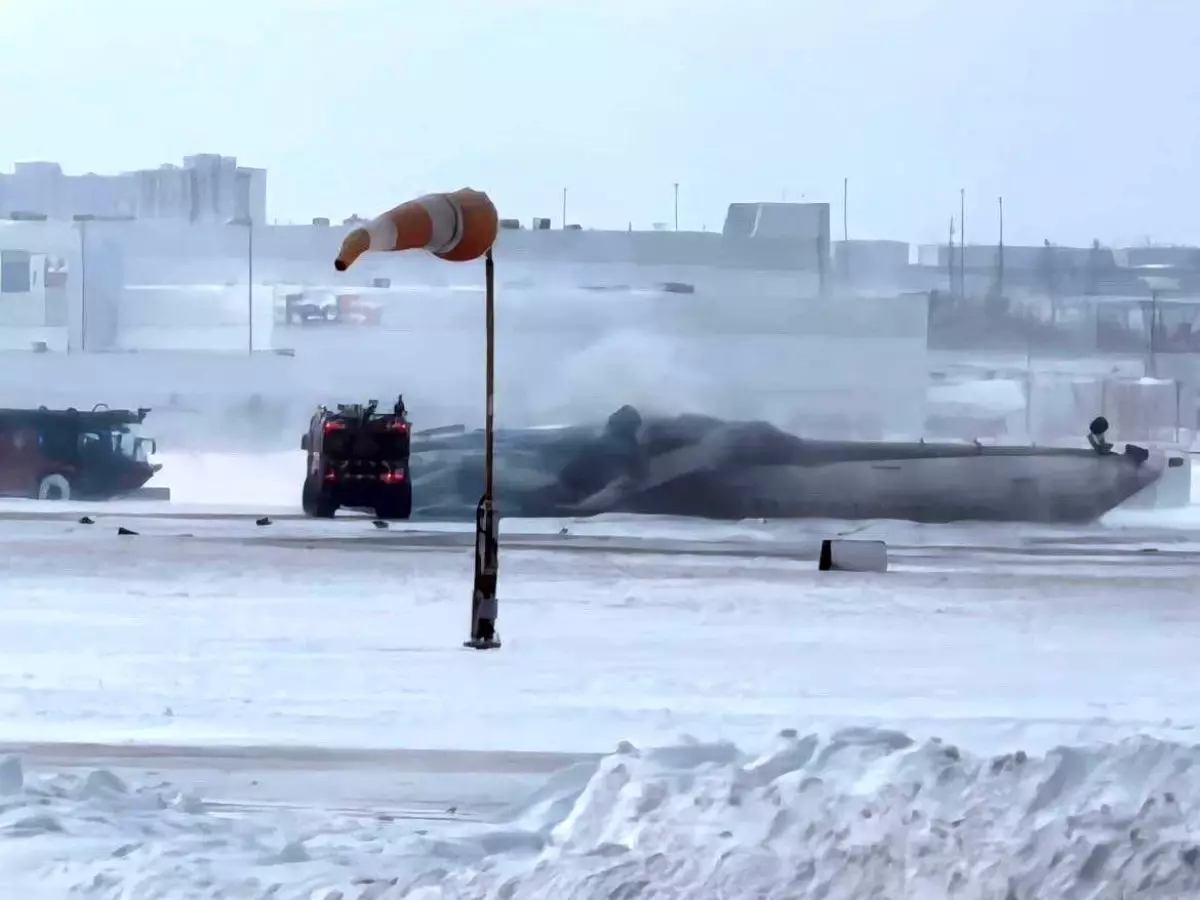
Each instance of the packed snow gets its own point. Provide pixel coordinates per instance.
(348, 635)
(852, 814)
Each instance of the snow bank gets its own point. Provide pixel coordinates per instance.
(860, 813)
(868, 813)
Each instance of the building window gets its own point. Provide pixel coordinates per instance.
(14, 272)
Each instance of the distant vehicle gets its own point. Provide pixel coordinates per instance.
(68, 454)
(358, 458)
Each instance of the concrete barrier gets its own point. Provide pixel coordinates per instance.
(853, 556)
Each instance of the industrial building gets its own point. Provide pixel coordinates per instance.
(208, 187)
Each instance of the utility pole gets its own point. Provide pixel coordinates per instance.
(843, 258)
(564, 210)
(248, 224)
(1000, 254)
(845, 210)
(1155, 327)
(962, 241)
(950, 260)
(250, 284)
(81, 220)
(677, 206)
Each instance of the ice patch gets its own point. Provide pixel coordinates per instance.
(857, 813)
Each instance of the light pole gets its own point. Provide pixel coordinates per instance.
(1000, 251)
(950, 260)
(962, 241)
(845, 210)
(81, 220)
(248, 223)
(844, 260)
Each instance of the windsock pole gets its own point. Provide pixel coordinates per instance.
(487, 537)
(460, 226)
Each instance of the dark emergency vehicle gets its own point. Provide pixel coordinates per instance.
(358, 457)
(69, 454)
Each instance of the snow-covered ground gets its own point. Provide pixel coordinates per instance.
(285, 710)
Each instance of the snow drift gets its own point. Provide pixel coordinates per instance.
(859, 813)
(869, 813)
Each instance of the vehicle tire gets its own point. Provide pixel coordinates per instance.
(54, 487)
(396, 507)
(314, 503)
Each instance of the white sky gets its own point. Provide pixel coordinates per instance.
(1083, 114)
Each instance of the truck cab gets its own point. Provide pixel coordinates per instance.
(358, 458)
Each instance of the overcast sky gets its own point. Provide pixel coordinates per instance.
(1083, 114)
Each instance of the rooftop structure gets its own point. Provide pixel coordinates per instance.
(208, 187)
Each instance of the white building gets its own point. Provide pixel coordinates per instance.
(208, 187)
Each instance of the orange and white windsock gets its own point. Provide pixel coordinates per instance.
(458, 226)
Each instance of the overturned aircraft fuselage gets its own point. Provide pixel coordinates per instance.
(704, 467)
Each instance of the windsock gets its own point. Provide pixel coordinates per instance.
(458, 226)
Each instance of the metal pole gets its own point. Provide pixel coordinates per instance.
(843, 259)
(962, 241)
(487, 538)
(1178, 407)
(677, 206)
(1155, 319)
(1000, 261)
(82, 286)
(564, 210)
(250, 284)
(845, 210)
(489, 371)
(1028, 397)
(950, 260)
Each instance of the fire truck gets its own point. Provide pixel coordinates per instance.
(71, 454)
(358, 458)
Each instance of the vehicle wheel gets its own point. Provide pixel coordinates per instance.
(314, 504)
(54, 487)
